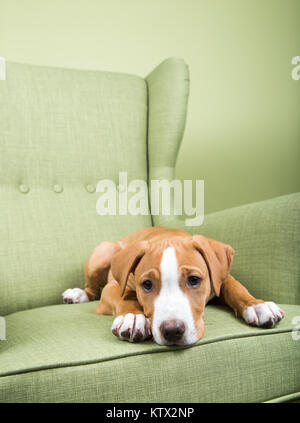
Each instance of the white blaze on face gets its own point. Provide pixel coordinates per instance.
(171, 302)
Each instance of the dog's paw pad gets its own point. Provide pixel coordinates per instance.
(132, 327)
(74, 296)
(265, 315)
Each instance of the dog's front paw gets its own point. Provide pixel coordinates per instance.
(132, 327)
(265, 315)
(74, 296)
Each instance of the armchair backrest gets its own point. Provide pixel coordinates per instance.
(61, 132)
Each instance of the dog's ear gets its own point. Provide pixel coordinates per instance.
(125, 262)
(218, 258)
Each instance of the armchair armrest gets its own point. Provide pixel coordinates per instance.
(266, 239)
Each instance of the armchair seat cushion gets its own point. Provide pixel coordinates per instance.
(66, 353)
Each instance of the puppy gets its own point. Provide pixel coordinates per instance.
(157, 282)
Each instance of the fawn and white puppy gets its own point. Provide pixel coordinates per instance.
(157, 282)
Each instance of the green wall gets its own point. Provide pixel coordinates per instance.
(243, 129)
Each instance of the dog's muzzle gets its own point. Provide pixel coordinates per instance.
(172, 330)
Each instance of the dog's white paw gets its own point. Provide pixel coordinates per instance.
(74, 296)
(265, 315)
(132, 327)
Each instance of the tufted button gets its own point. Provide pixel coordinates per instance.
(90, 188)
(58, 188)
(24, 188)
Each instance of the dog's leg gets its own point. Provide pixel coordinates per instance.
(95, 273)
(130, 323)
(255, 312)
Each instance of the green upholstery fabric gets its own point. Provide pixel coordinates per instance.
(266, 239)
(67, 353)
(62, 129)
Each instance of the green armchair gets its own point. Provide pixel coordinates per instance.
(63, 130)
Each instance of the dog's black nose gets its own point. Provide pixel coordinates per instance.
(172, 330)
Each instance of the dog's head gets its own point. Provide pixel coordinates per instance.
(172, 281)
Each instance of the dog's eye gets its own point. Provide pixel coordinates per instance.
(194, 281)
(147, 285)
